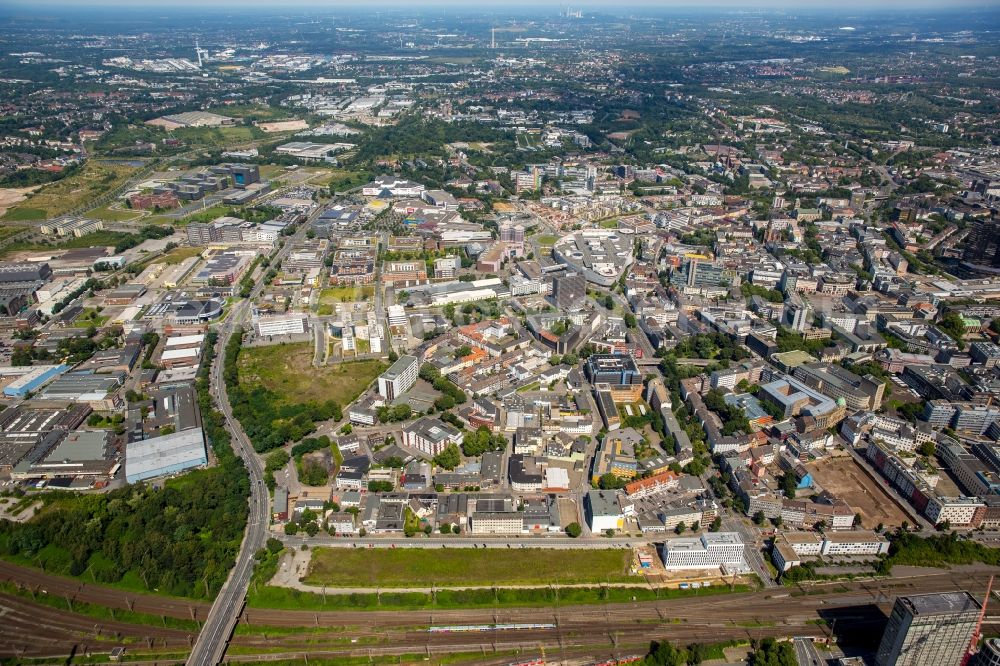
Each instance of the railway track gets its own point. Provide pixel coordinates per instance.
(35, 629)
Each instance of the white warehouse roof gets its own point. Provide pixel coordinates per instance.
(173, 354)
(184, 340)
(165, 455)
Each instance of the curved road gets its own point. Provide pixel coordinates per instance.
(210, 647)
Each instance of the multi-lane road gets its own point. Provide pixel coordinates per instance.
(214, 636)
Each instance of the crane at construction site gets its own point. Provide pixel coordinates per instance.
(978, 632)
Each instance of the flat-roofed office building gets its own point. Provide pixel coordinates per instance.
(709, 551)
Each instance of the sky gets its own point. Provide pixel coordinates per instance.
(598, 5)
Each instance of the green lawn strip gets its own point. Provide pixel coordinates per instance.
(421, 657)
(207, 214)
(346, 294)
(133, 653)
(282, 598)
(402, 567)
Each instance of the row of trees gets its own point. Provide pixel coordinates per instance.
(149, 231)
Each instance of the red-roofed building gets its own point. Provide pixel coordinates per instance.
(651, 485)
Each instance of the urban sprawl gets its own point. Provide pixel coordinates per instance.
(654, 339)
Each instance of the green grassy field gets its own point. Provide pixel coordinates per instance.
(250, 112)
(206, 215)
(287, 370)
(8, 230)
(412, 567)
(113, 215)
(345, 180)
(24, 214)
(218, 136)
(346, 294)
(179, 254)
(98, 238)
(546, 240)
(271, 171)
(93, 180)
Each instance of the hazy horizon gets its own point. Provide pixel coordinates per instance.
(543, 5)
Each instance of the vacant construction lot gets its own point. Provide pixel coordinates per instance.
(331, 296)
(845, 479)
(287, 370)
(416, 567)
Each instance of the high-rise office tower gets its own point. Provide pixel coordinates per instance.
(569, 291)
(982, 246)
(929, 630)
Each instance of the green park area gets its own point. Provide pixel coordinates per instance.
(341, 180)
(90, 317)
(455, 567)
(287, 371)
(24, 214)
(253, 112)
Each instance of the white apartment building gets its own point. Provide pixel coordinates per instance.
(603, 510)
(956, 510)
(361, 415)
(790, 548)
(862, 542)
(341, 523)
(430, 436)
(497, 522)
(709, 551)
(398, 379)
(804, 544)
(522, 286)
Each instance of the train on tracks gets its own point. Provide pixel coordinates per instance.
(453, 628)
